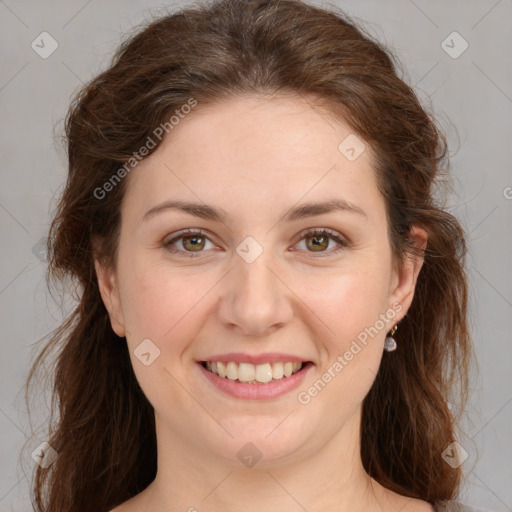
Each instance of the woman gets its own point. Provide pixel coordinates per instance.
(272, 304)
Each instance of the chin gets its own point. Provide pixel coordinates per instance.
(266, 442)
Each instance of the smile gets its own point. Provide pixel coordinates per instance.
(248, 381)
(253, 374)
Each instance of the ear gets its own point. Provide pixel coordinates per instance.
(404, 282)
(109, 291)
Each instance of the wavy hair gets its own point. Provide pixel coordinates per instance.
(101, 424)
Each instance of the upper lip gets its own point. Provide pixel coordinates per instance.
(270, 357)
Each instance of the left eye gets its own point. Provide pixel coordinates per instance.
(194, 241)
(319, 240)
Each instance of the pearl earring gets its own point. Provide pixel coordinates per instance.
(390, 343)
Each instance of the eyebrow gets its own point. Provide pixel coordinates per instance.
(207, 212)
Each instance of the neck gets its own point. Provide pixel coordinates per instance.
(331, 478)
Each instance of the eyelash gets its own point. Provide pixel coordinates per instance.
(342, 244)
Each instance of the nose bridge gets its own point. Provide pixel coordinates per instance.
(256, 279)
(255, 299)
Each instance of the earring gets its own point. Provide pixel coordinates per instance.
(390, 343)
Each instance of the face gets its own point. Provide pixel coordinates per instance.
(256, 279)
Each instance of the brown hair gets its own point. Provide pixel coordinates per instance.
(105, 432)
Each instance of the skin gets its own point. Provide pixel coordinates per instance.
(256, 157)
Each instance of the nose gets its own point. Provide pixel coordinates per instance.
(256, 300)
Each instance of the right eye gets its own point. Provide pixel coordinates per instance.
(192, 242)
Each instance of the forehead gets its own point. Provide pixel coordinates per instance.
(243, 149)
(249, 130)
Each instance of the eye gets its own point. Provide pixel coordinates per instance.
(318, 241)
(193, 241)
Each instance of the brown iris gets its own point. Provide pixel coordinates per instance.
(194, 244)
(318, 246)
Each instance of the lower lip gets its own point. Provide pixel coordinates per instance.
(270, 390)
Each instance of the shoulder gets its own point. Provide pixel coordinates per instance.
(456, 506)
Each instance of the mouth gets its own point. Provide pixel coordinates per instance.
(256, 374)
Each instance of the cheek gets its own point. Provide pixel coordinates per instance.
(158, 301)
(347, 302)
(351, 306)
(164, 302)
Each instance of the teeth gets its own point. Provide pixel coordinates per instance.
(232, 371)
(246, 372)
(277, 370)
(221, 369)
(263, 373)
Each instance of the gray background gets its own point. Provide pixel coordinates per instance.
(472, 93)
